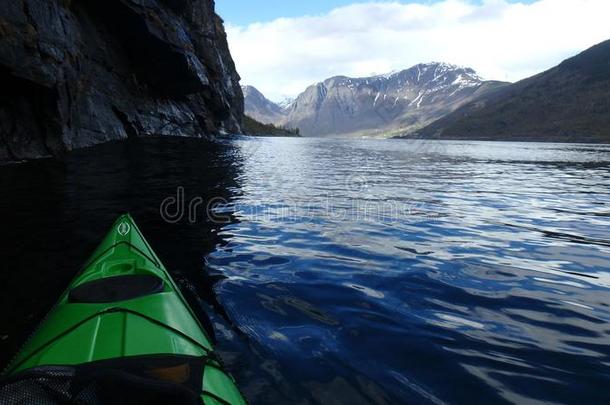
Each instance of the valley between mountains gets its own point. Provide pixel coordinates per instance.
(567, 103)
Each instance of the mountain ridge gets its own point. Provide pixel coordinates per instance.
(379, 105)
(567, 103)
(260, 107)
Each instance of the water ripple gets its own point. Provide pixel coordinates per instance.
(469, 272)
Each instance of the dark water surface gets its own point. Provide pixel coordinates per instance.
(347, 272)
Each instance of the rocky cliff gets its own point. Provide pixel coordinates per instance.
(568, 103)
(75, 73)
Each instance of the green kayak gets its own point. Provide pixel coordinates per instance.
(121, 333)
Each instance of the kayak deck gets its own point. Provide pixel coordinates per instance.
(124, 305)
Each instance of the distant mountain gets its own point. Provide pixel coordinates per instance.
(383, 105)
(253, 127)
(260, 108)
(568, 103)
(285, 103)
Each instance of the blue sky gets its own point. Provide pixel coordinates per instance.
(317, 39)
(244, 12)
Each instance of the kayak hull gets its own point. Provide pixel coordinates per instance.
(122, 305)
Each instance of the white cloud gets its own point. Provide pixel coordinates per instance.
(500, 39)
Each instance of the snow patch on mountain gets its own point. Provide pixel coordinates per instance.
(398, 101)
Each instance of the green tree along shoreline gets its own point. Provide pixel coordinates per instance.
(255, 128)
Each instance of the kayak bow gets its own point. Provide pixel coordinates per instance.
(123, 322)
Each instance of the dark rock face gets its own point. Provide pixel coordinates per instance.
(76, 73)
(568, 103)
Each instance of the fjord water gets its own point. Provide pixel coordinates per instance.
(347, 272)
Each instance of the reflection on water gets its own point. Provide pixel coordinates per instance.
(54, 213)
(349, 272)
(390, 271)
